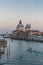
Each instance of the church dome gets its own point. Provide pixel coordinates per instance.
(28, 26)
(20, 26)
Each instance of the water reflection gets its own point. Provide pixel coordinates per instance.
(2, 51)
(0, 56)
(16, 53)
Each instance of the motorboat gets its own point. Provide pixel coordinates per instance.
(29, 49)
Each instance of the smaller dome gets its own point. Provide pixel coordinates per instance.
(28, 26)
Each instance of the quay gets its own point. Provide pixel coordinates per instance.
(36, 40)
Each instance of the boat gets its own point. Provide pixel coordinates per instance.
(29, 49)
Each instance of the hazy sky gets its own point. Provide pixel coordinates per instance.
(29, 11)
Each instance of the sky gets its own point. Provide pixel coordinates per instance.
(29, 11)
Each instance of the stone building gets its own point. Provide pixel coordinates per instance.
(22, 32)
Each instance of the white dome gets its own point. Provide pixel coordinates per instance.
(20, 26)
(28, 26)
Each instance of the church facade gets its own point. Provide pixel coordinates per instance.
(22, 32)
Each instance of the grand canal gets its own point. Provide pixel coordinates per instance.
(16, 53)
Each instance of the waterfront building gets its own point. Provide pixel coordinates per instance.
(41, 33)
(20, 28)
(7, 35)
(35, 32)
(22, 32)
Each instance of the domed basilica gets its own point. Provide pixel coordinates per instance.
(22, 32)
(20, 26)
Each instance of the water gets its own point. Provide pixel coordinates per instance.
(17, 54)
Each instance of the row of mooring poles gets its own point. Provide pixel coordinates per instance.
(8, 51)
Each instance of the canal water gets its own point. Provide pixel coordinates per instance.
(16, 53)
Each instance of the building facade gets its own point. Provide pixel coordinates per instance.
(22, 32)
